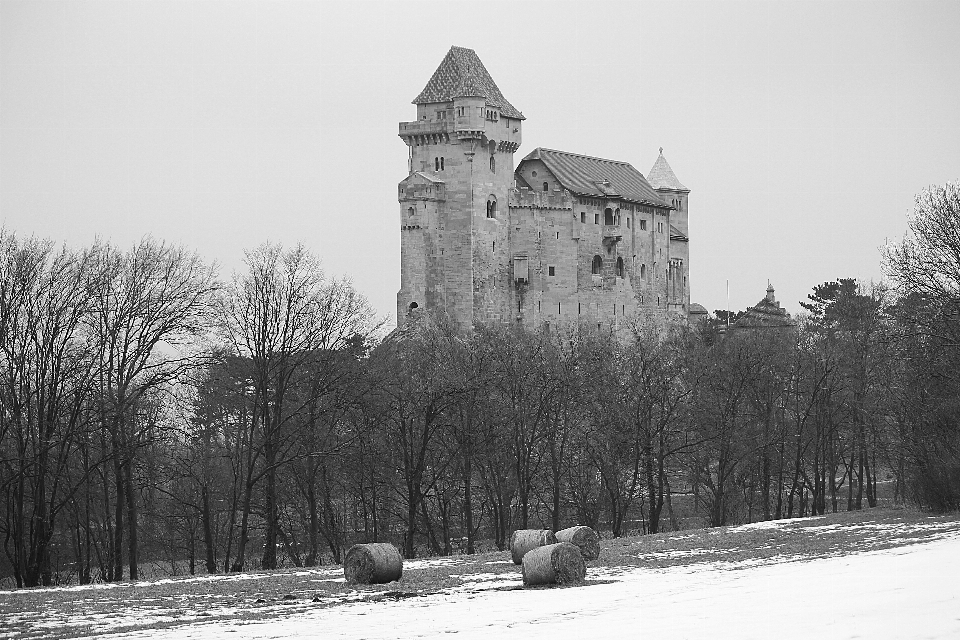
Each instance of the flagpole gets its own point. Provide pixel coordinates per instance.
(728, 303)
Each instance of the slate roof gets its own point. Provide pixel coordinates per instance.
(427, 176)
(596, 177)
(461, 74)
(661, 176)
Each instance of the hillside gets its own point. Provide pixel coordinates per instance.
(878, 573)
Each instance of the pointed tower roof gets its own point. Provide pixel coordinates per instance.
(461, 74)
(661, 176)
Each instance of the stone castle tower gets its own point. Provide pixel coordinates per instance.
(559, 238)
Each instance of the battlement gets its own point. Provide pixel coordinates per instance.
(524, 197)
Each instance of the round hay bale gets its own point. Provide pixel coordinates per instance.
(373, 563)
(523, 540)
(560, 563)
(585, 538)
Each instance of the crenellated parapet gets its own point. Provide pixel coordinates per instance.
(524, 197)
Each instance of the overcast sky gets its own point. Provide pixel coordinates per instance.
(803, 129)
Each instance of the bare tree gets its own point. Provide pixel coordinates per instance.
(45, 371)
(149, 305)
(278, 316)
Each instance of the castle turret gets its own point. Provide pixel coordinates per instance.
(453, 203)
(671, 190)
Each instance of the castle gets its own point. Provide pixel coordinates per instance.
(559, 238)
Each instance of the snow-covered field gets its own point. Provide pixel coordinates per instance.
(910, 591)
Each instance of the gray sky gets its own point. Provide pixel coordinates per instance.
(803, 129)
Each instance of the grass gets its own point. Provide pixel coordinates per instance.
(72, 612)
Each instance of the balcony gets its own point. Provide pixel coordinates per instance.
(612, 233)
(424, 127)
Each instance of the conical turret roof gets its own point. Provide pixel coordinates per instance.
(661, 176)
(461, 74)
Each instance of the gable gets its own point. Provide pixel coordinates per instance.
(420, 185)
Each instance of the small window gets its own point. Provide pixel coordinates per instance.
(643, 225)
(492, 207)
(596, 218)
(608, 216)
(643, 271)
(597, 265)
(546, 186)
(551, 271)
(441, 164)
(619, 267)
(583, 217)
(659, 227)
(533, 173)
(493, 164)
(413, 305)
(411, 211)
(436, 164)
(628, 223)
(616, 217)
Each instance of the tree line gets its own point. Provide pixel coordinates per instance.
(151, 412)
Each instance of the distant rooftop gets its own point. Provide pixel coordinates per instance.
(597, 177)
(766, 313)
(462, 74)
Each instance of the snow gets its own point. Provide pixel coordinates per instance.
(233, 577)
(902, 592)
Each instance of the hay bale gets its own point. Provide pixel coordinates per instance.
(585, 538)
(560, 563)
(523, 540)
(372, 563)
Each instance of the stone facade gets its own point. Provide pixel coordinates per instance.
(559, 238)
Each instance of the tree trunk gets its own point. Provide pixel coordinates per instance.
(468, 503)
(131, 497)
(244, 527)
(118, 518)
(208, 541)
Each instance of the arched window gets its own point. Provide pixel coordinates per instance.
(436, 164)
(608, 216)
(546, 186)
(411, 211)
(597, 265)
(441, 164)
(643, 271)
(619, 267)
(616, 217)
(492, 207)
(493, 164)
(413, 305)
